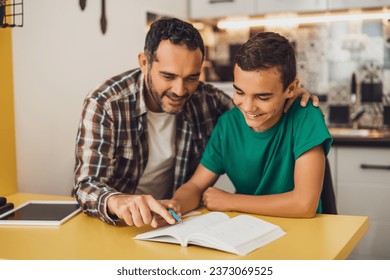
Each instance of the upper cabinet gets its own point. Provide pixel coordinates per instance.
(221, 8)
(354, 4)
(288, 6)
(201, 9)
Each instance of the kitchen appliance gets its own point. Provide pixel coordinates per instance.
(386, 115)
(371, 92)
(338, 115)
(371, 86)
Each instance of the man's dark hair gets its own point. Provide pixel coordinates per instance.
(267, 50)
(178, 32)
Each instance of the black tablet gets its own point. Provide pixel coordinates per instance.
(41, 212)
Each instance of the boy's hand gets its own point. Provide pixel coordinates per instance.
(216, 200)
(305, 97)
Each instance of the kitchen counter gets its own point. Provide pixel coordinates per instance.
(360, 137)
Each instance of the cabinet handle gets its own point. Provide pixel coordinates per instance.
(219, 1)
(375, 166)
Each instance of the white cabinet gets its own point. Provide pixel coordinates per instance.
(199, 9)
(362, 180)
(354, 4)
(288, 6)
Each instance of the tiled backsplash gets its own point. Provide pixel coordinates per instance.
(328, 55)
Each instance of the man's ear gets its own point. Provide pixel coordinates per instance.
(143, 62)
(291, 88)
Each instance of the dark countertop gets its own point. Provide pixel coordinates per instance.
(360, 137)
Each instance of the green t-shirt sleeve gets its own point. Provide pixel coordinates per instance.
(310, 130)
(212, 157)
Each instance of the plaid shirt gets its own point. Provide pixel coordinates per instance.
(112, 146)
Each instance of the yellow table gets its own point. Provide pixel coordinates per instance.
(83, 237)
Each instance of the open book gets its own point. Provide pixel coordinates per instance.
(239, 235)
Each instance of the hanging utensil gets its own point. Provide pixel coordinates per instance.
(103, 20)
(2, 12)
(83, 4)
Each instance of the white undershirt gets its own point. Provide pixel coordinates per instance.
(157, 178)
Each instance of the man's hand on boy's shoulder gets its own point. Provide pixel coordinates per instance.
(305, 97)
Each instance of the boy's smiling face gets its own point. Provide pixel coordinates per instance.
(260, 96)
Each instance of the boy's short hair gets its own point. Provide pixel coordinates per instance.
(178, 32)
(267, 50)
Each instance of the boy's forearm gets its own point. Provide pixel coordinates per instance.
(286, 204)
(188, 197)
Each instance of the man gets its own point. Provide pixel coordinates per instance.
(142, 133)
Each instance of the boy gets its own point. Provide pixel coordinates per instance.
(276, 161)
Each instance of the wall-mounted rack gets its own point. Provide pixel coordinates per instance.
(11, 13)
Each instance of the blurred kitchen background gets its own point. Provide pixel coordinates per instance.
(53, 53)
(345, 62)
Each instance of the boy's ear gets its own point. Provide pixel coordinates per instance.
(142, 61)
(291, 88)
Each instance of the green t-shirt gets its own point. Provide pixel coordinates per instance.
(261, 163)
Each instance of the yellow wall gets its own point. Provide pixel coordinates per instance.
(8, 183)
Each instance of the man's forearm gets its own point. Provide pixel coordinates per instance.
(92, 199)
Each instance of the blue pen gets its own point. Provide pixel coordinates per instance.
(174, 215)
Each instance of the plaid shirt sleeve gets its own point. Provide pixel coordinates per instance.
(110, 147)
(94, 156)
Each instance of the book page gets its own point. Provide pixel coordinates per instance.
(181, 231)
(239, 235)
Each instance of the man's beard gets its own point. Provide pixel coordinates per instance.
(158, 99)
